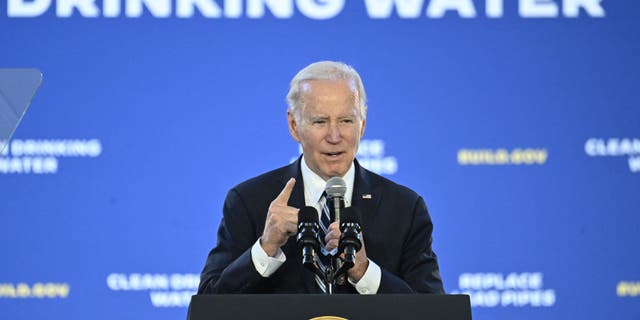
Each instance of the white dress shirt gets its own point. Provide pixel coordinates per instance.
(314, 186)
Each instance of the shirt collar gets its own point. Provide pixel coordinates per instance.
(314, 185)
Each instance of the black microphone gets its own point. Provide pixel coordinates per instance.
(350, 239)
(308, 239)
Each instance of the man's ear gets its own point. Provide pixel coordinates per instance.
(364, 125)
(293, 126)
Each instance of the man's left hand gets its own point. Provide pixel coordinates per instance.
(332, 240)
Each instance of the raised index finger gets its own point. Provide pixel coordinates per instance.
(283, 197)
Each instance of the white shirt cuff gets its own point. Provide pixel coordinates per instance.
(264, 264)
(370, 281)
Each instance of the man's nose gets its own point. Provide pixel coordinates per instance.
(333, 133)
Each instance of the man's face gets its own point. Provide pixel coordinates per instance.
(330, 126)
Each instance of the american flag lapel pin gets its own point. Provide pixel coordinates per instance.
(366, 196)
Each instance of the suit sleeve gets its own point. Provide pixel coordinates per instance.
(229, 267)
(419, 271)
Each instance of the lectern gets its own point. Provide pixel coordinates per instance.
(339, 306)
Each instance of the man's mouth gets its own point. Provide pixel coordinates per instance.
(333, 154)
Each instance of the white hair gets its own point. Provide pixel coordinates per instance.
(325, 70)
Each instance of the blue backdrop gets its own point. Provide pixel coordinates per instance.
(519, 123)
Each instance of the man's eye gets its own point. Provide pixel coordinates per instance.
(319, 121)
(347, 120)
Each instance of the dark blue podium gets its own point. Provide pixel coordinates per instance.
(311, 306)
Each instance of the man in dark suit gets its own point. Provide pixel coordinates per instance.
(256, 250)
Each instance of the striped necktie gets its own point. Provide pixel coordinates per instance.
(325, 217)
(324, 257)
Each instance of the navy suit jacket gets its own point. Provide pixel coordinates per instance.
(396, 231)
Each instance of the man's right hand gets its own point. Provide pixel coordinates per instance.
(281, 223)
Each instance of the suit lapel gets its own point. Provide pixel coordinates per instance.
(366, 196)
(297, 195)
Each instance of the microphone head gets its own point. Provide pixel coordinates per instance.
(308, 231)
(335, 187)
(307, 215)
(350, 228)
(350, 215)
